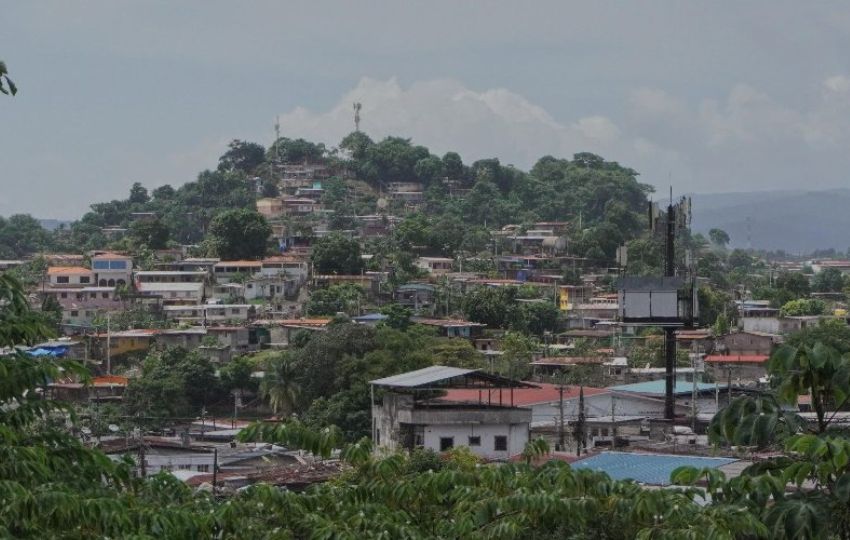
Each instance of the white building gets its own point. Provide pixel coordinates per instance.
(407, 417)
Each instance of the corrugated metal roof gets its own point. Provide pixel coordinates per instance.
(657, 387)
(422, 376)
(651, 469)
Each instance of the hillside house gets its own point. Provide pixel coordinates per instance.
(173, 293)
(435, 266)
(405, 416)
(416, 296)
(70, 276)
(747, 343)
(452, 327)
(740, 369)
(112, 269)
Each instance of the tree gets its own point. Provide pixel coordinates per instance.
(719, 237)
(356, 144)
(295, 151)
(539, 317)
(279, 385)
(343, 298)
(398, 316)
(803, 306)
(20, 235)
(828, 280)
(9, 87)
(242, 156)
(239, 234)
(337, 254)
(138, 194)
(153, 234)
(494, 306)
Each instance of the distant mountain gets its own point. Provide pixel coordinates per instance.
(795, 221)
(53, 224)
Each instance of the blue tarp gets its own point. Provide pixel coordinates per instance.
(57, 352)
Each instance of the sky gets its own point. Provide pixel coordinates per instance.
(705, 96)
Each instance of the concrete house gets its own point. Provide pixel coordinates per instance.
(436, 266)
(112, 269)
(405, 415)
(70, 276)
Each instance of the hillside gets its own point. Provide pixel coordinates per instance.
(795, 221)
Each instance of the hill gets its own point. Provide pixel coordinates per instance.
(795, 221)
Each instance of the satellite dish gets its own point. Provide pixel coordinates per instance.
(382, 203)
(113, 428)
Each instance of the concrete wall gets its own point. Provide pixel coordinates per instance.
(517, 436)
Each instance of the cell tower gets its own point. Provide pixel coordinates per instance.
(276, 136)
(357, 107)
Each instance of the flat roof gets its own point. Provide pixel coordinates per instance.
(157, 286)
(658, 387)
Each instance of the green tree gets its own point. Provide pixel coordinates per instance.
(9, 87)
(242, 156)
(344, 298)
(828, 280)
(719, 237)
(803, 306)
(337, 254)
(280, 384)
(239, 234)
(152, 234)
(138, 194)
(398, 317)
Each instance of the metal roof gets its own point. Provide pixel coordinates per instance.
(423, 376)
(654, 469)
(438, 376)
(657, 387)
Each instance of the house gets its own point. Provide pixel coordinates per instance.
(295, 206)
(170, 276)
(70, 276)
(9, 264)
(112, 269)
(173, 293)
(842, 266)
(270, 208)
(452, 327)
(706, 393)
(436, 266)
(122, 342)
(226, 271)
(416, 296)
(741, 368)
(209, 313)
(405, 416)
(282, 330)
(285, 265)
(747, 343)
(80, 305)
(191, 264)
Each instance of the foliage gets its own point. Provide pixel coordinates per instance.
(337, 254)
(398, 316)
(239, 234)
(149, 234)
(21, 235)
(828, 280)
(719, 237)
(241, 156)
(343, 298)
(9, 87)
(803, 306)
(280, 384)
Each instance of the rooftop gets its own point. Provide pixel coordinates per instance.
(55, 270)
(736, 358)
(543, 393)
(434, 377)
(657, 387)
(654, 469)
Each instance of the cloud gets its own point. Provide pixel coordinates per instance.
(711, 144)
(446, 115)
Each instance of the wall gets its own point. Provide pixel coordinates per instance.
(517, 435)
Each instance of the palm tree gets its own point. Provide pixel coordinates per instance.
(279, 384)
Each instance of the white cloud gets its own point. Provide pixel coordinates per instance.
(446, 115)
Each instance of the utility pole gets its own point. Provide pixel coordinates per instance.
(669, 331)
(215, 470)
(579, 432)
(108, 344)
(561, 441)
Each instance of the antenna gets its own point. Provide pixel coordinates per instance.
(276, 136)
(357, 107)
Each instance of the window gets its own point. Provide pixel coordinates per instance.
(475, 441)
(75, 313)
(104, 295)
(85, 279)
(62, 279)
(93, 295)
(100, 265)
(605, 432)
(64, 295)
(500, 443)
(446, 443)
(203, 468)
(235, 311)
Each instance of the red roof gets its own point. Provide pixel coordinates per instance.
(522, 396)
(737, 358)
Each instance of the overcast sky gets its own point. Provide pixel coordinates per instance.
(711, 96)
